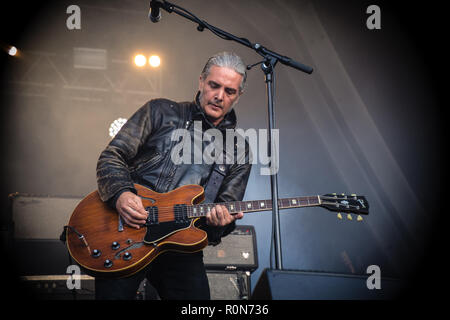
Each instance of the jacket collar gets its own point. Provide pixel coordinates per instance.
(228, 122)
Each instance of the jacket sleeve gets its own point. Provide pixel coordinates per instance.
(113, 175)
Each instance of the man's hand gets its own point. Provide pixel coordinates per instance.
(219, 216)
(131, 209)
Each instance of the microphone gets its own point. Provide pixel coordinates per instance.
(154, 13)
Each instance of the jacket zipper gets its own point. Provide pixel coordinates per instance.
(167, 165)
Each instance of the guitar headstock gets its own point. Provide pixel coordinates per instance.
(345, 203)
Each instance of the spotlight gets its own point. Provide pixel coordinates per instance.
(12, 51)
(154, 61)
(116, 126)
(140, 60)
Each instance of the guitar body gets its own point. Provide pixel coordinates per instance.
(107, 249)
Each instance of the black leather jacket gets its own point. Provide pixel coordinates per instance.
(141, 153)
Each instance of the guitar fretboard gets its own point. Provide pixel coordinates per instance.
(233, 207)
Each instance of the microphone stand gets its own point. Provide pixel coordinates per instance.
(271, 58)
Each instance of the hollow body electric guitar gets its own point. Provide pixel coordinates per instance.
(99, 241)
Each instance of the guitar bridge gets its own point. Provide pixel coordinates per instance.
(152, 218)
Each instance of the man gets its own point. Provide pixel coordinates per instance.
(142, 153)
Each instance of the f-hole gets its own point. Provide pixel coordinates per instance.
(150, 199)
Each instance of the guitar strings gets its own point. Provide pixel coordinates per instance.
(165, 211)
(226, 204)
(179, 213)
(190, 207)
(339, 198)
(173, 212)
(347, 206)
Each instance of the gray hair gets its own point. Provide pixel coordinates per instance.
(227, 60)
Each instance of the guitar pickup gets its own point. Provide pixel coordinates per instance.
(181, 215)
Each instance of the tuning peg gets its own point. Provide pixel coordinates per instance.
(349, 216)
(339, 215)
(359, 218)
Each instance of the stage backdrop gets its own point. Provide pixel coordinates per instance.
(364, 122)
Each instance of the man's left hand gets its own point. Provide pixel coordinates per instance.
(219, 216)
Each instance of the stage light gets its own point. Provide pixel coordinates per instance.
(116, 126)
(154, 61)
(140, 60)
(12, 51)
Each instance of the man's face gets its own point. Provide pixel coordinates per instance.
(219, 92)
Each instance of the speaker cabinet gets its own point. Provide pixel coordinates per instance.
(38, 221)
(299, 285)
(229, 285)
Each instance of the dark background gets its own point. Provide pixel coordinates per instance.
(367, 121)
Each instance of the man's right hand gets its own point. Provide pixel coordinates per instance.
(131, 209)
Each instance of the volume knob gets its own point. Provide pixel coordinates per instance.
(96, 253)
(115, 245)
(108, 263)
(126, 256)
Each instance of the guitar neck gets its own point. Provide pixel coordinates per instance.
(200, 210)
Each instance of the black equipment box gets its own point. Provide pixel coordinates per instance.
(237, 251)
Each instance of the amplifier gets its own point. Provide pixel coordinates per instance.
(54, 287)
(40, 217)
(223, 286)
(38, 221)
(236, 251)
